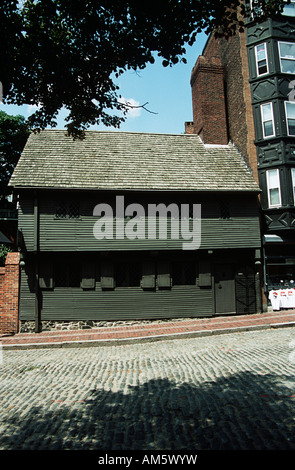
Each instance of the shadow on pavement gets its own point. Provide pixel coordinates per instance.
(243, 411)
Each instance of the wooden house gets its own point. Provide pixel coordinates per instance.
(70, 274)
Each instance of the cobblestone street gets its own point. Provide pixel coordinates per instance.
(233, 391)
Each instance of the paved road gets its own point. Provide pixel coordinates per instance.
(233, 391)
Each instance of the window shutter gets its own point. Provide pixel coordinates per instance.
(88, 275)
(148, 280)
(205, 274)
(46, 276)
(107, 275)
(164, 279)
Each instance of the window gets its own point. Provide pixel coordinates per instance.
(289, 10)
(287, 56)
(128, 274)
(224, 210)
(293, 182)
(261, 59)
(290, 117)
(67, 274)
(273, 188)
(74, 210)
(67, 211)
(60, 210)
(267, 120)
(184, 273)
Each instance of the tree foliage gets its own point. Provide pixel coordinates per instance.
(4, 249)
(67, 53)
(14, 132)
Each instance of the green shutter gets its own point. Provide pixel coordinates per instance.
(205, 274)
(88, 275)
(148, 280)
(164, 279)
(107, 275)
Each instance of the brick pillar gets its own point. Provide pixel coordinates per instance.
(209, 108)
(9, 294)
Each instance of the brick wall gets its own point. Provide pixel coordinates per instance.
(239, 115)
(209, 111)
(9, 294)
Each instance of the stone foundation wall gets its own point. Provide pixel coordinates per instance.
(29, 326)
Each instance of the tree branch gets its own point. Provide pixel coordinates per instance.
(132, 106)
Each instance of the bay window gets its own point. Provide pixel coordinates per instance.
(267, 120)
(289, 9)
(290, 117)
(261, 59)
(287, 57)
(273, 188)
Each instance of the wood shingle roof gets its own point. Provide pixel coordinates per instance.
(130, 161)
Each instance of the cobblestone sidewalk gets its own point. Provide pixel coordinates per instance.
(234, 391)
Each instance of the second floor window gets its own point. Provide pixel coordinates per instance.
(261, 59)
(287, 57)
(64, 210)
(267, 120)
(289, 10)
(290, 117)
(273, 188)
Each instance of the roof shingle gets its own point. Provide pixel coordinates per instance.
(130, 161)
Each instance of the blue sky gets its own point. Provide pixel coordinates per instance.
(167, 91)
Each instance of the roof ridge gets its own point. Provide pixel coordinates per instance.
(104, 131)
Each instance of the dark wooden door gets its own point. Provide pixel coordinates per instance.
(224, 286)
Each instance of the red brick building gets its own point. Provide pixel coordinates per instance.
(242, 91)
(221, 97)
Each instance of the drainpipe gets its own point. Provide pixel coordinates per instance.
(36, 256)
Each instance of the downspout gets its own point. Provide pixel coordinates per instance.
(36, 256)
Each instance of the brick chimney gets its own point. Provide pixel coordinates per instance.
(209, 108)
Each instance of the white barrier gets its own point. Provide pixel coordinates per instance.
(282, 298)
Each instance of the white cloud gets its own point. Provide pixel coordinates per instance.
(33, 107)
(133, 107)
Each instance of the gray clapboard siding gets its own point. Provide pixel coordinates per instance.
(215, 233)
(100, 296)
(106, 302)
(26, 221)
(131, 303)
(242, 230)
(27, 295)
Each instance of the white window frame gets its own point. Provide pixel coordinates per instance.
(285, 58)
(263, 121)
(285, 13)
(269, 187)
(292, 103)
(257, 61)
